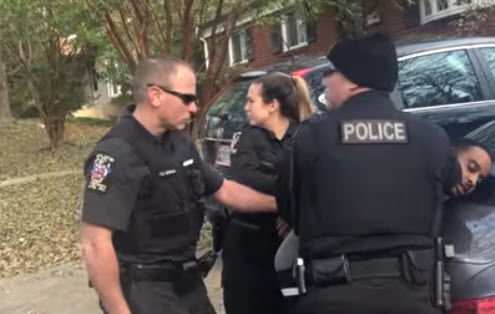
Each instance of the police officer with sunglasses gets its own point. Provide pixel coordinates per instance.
(140, 219)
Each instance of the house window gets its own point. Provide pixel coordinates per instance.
(294, 32)
(431, 10)
(238, 51)
(114, 90)
(442, 5)
(428, 10)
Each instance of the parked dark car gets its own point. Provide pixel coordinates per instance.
(451, 83)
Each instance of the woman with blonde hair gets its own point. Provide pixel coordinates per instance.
(276, 104)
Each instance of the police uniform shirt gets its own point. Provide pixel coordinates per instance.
(256, 162)
(366, 170)
(256, 157)
(117, 177)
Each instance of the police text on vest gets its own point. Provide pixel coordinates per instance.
(373, 131)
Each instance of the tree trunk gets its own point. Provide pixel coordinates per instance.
(5, 114)
(218, 54)
(55, 129)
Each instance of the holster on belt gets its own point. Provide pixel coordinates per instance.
(183, 276)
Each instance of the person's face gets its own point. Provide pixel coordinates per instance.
(475, 164)
(338, 89)
(171, 110)
(257, 110)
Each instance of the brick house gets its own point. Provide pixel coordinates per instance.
(255, 46)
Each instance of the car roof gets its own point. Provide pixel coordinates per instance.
(301, 62)
(287, 66)
(417, 47)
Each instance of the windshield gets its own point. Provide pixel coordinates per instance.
(227, 115)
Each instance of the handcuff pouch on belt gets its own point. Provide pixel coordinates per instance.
(417, 266)
(331, 271)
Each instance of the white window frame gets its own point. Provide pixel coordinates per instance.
(244, 57)
(454, 8)
(285, 35)
(114, 91)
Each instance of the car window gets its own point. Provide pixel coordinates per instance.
(489, 55)
(317, 90)
(438, 79)
(227, 115)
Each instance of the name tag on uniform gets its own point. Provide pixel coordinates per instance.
(373, 132)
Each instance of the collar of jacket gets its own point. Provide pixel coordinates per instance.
(369, 100)
(291, 129)
(128, 115)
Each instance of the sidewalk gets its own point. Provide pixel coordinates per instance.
(65, 290)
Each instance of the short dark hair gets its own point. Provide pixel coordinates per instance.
(466, 142)
(155, 70)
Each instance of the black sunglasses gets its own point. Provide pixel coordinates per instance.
(186, 98)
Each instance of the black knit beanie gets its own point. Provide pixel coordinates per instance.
(369, 61)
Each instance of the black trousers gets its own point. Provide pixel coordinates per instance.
(371, 296)
(159, 297)
(249, 278)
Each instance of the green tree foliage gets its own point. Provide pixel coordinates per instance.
(48, 46)
(140, 28)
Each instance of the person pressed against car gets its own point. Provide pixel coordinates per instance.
(140, 216)
(475, 161)
(276, 104)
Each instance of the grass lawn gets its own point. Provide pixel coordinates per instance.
(38, 219)
(23, 150)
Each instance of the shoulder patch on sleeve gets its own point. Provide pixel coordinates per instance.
(101, 171)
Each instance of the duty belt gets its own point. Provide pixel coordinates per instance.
(322, 272)
(157, 272)
(183, 276)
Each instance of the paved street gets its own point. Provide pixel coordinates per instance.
(64, 290)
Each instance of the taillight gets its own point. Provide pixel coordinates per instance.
(476, 306)
(301, 73)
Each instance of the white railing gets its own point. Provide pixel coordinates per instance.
(454, 7)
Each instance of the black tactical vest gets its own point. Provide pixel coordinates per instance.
(166, 220)
(370, 190)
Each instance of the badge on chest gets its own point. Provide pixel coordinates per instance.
(373, 132)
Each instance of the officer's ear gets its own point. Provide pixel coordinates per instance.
(154, 96)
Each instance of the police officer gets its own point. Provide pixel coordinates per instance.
(140, 222)
(367, 183)
(275, 105)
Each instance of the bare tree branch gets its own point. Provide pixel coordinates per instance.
(130, 37)
(188, 28)
(178, 8)
(158, 25)
(118, 42)
(168, 26)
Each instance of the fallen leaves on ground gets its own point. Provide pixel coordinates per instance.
(23, 148)
(38, 227)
